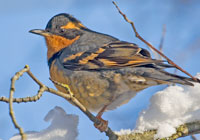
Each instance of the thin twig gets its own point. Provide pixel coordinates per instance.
(11, 111)
(162, 40)
(42, 88)
(23, 100)
(151, 46)
(187, 52)
(160, 48)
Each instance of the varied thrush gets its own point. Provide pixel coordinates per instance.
(102, 71)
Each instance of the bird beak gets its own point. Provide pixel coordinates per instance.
(40, 32)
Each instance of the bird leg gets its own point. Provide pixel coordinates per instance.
(103, 126)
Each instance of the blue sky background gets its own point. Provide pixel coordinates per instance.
(18, 47)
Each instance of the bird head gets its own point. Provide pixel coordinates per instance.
(61, 31)
(63, 25)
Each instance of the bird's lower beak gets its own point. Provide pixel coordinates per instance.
(40, 32)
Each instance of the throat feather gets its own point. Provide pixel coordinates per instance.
(56, 43)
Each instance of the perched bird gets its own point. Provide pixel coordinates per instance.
(102, 71)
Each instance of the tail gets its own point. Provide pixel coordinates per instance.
(162, 77)
(173, 78)
(156, 72)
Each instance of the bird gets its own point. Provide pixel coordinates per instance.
(102, 71)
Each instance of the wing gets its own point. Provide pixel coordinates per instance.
(114, 55)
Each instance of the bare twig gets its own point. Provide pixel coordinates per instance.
(162, 41)
(162, 38)
(151, 46)
(42, 88)
(160, 48)
(12, 90)
(187, 52)
(25, 99)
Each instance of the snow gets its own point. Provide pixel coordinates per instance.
(124, 132)
(170, 108)
(63, 127)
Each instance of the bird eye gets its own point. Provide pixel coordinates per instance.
(62, 30)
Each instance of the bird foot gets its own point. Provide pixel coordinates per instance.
(103, 126)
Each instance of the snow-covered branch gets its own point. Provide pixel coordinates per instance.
(181, 131)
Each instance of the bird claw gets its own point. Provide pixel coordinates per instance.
(102, 126)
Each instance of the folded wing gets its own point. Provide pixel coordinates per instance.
(114, 55)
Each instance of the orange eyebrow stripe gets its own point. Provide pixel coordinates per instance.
(72, 25)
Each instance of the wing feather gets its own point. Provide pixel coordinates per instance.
(114, 55)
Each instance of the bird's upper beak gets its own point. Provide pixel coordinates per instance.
(40, 32)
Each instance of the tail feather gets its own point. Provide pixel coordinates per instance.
(169, 77)
(162, 76)
(178, 79)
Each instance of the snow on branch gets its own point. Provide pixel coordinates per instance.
(173, 112)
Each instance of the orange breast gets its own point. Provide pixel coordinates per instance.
(55, 43)
(58, 76)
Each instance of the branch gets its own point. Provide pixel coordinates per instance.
(181, 131)
(42, 88)
(151, 46)
(11, 111)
